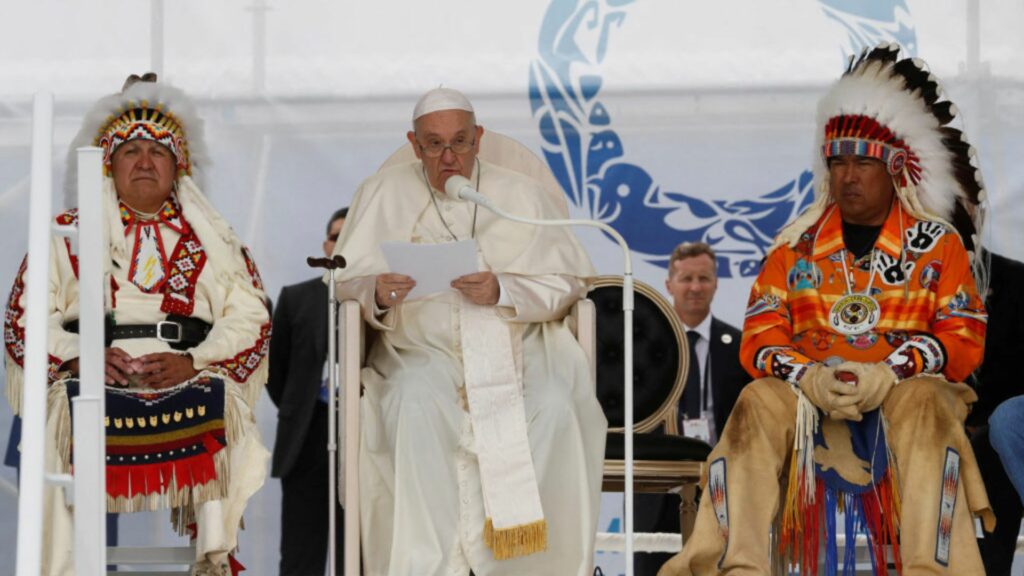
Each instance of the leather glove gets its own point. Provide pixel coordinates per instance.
(874, 381)
(836, 398)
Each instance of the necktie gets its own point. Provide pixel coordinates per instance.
(691, 394)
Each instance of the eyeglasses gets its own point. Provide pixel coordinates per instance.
(333, 237)
(435, 148)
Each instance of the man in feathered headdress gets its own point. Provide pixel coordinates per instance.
(861, 327)
(187, 333)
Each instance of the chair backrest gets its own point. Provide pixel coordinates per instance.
(660, 358)
(503, 151)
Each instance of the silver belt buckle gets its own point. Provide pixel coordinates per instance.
(170, 324)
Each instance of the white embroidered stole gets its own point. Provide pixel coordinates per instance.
(515, 524)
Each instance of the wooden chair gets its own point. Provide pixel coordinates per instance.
(663, 461)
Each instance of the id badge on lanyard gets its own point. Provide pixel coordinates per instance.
(700, 428)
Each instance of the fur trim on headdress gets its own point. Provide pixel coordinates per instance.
(895, 103)
(168, 115)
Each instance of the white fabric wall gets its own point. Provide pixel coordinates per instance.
(713, 101)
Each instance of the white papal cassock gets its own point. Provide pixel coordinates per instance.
(422, 503)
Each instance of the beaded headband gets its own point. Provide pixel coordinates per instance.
(144, 109)
(140, 121)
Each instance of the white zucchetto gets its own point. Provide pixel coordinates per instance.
(441, 98)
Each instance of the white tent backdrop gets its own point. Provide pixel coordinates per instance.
(670, 120)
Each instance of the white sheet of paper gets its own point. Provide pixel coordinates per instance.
(433, 266)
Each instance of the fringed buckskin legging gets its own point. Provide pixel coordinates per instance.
(925, 416)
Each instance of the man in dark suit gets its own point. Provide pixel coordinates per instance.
(297, 385)
(713, 382)
(716, 376)
(997, 380)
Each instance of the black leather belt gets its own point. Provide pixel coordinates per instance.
(180, 332)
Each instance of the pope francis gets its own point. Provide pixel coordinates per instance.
(482, 439)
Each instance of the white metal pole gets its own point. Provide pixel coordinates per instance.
(37, 278)
(627, 383)
(156, 36)
(259, 45)
(253, 228)
(972, 23)
(89, 435)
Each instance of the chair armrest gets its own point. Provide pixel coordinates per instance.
(351, 334)
(583, 323)
(351, 350)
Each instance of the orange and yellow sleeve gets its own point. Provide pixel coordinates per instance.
(960, 320)
(766, 348)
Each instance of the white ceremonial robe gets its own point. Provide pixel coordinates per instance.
(421, 499)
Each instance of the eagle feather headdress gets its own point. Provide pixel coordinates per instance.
(893, 110)
(144, 108)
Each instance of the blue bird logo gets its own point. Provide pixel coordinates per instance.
(588, 157)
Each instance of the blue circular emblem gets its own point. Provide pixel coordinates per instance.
(581, 146)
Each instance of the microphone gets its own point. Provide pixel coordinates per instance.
(458, 187)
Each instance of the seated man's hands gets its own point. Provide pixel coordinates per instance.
(117, 367)
(874, 381)
(164, 369)
(836, 398)
(479, 288)
(391, 289)
(159, 370)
